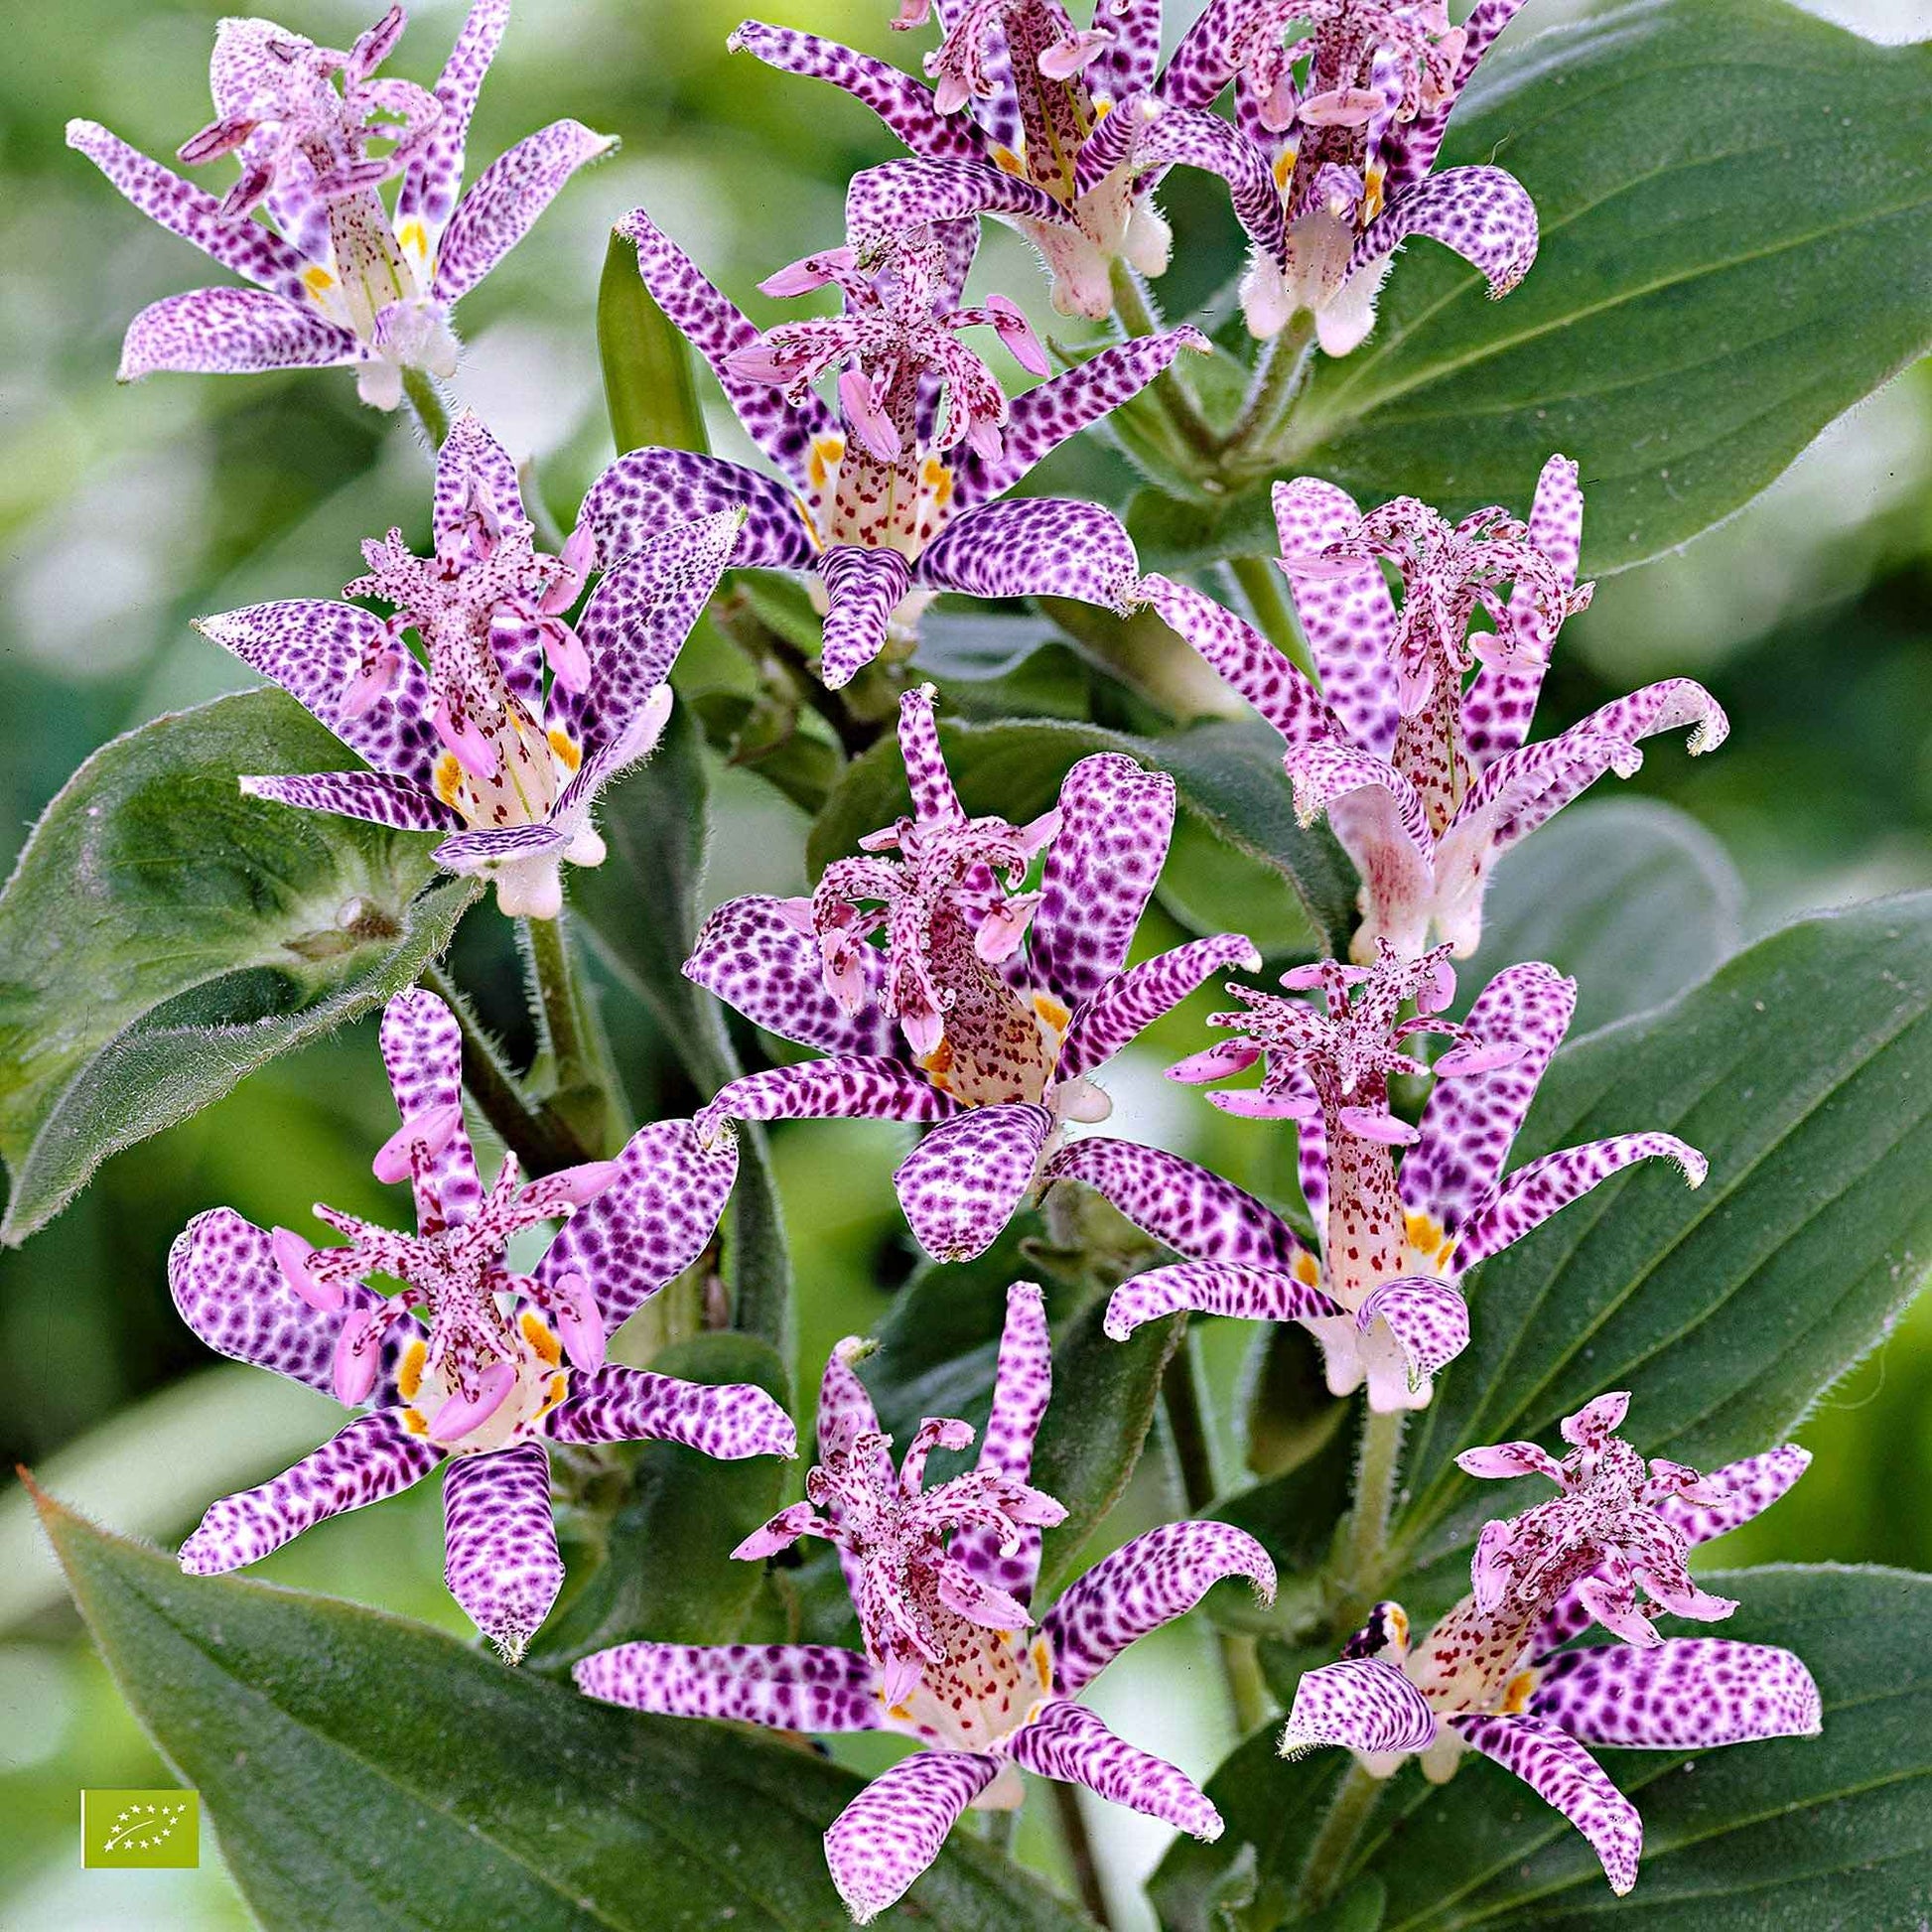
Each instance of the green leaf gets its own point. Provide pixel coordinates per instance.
(642, 904)
(1735, 201)
(1804, 1070)
(1227, 777)
(648, 384)
(362, 1770)
(1788, 1836)
(666, 1573)
(1633, 897)
(163, 935)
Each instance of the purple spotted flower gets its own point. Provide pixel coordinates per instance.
(987, 1008)
(1397, 1236)
(1493, 1675)
(896, 493)
(954, 1656)
(338, 276)
(1341, 106)
(1426, 778)
(510, 722)
(1061, 130)
(466, 1364)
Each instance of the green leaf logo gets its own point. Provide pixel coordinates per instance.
(140, 1829)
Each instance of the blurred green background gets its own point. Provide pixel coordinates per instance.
(127, 512)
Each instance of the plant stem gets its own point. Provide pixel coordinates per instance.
(1341, 1831)
(1365, 1547)
(1000, 1827)
(1261, 588)
(1194, 1454)
(583, 1087)
(1079, 1851)
(419, 387)
(1258, 427)
(1135, 313)
(768, 651)
(540, 1140)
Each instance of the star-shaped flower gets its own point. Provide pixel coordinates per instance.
(465, 1365)
(877, 503)
(338, 277)
(1423, 771)
(1397, 1236)
(954, 1655)
(1493, 1675)
(508, 724)
(988, 1007)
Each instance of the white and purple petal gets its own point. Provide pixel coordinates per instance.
(966, 1179)
(230, 332)
(1066, 1740)
(1360, 1703)
(1134, 1000)
(729, 1419)
(1034, 546)
(500, 1556)
(422, 1054)
(847, 1087)
(640, 493)
(372, 797)
(894, 1828)
(863, 588)
(498, 211)
(1023, 1382)
(430, 181)
(1687, 1693)
(1244, 1293)
(815, 1688)
(1485, 215)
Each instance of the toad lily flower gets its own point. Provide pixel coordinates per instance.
(1425, 778)
(941, 1580)
(338, 277)
(876, 505)
(1493, 1677)
(1398, 1237)
(468, 740)
(1342, 105)
(1061, 130)
(465, 1365)
(987, 1008)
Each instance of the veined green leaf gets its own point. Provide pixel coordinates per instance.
(648, 385)
(364, 1770)
(163, 935)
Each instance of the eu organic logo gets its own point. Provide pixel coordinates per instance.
(140, 1829)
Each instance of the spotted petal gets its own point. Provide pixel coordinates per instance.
(849, 1087)
(1069, 1741)
(374, 1457)
(863, 589)
(643, 493)
(1472, 1120)
(230, 332)
(1362, 1704)
(500, 1543)
(422, 1054)
(1748, 1488)
(430, 181)
(894, 1828)
(222, 1274)
(1215, 1288)
(730, 1419)
(1194, 1212)
(1021, 1385)
(817, 1688)
(1034, 546)
(372, 797)
(1483, 213)
(754, 959)
(650, 1225)
(1562, 1773)
(883, 203)
(1687, 1693)
(1529, 1196)
(505, 199)
(966, 1179)
(1131, 1002)
(1141, 1587)
(1429, 1319)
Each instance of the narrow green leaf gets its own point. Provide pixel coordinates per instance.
(1633, 897)
(1227, 777)
(362, 1770)
(666, 1571)
(1804, 1070)
(1735, 202)
(1790, 1836)
(648, 383)
(641, 903)
(164, 935)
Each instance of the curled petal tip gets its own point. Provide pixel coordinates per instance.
(585, 1181)
(291, 1255)
(355, 1359)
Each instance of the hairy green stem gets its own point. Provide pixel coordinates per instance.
(583, 1086)
(1253, 439)
(1134, 309)
(1079, 1851)
(419, 387)
(540, 1140)
(1335, 1843)
(1364, 1549)
(1261, 591)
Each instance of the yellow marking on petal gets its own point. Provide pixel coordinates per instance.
(1397, 1620)
(810, 523)
(902, 1712)
(553, 1394)
(537, 1332)
(1304, 1269)
(415, 237)
(409, 1377)
(1516, 1694)
(938, 1064)
(1102, 107)
(1283, 166)
(1052, 1013)
(827, 452)
(1010, 162)
(318, 281)
(1373, 197)
(1043, 1663)
(415, 1422)
(938, 480)
(570, 753)
(447, 778)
